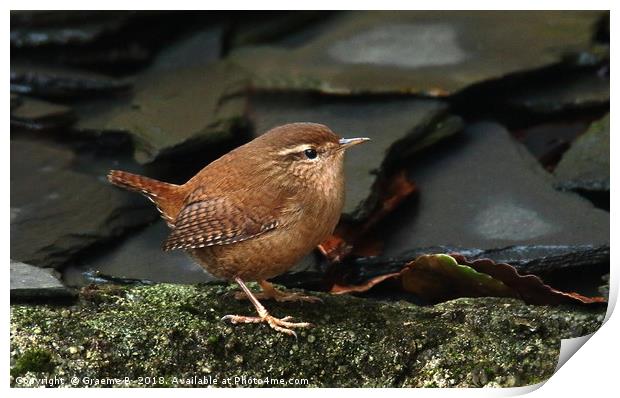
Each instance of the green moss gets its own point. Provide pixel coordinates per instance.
(174, 331)
(37, 360)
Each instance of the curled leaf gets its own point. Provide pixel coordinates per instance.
(530, 288)
(440, 277)
(341, 289)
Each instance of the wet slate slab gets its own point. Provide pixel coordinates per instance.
(195, 49)
(173, 111)
(33, 114)
(140, 257)
(282, 27)
(30, 283)
(585, 166)
(484, 190)
(567, 92)
(397, 128)
(434, 53)
(548, 141)
(61, 82)
(53, 28)
(112, 57)
(57, 212)
(116, 42)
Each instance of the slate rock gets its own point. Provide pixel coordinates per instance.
(548, 141)
(114, 41)
(113, 57)
(55, 28)
(419, 51)
(140, 257)
(61, 82)
(173, 111)
(282, 27)
(585, 166)
(194, 49)
(484, 190)
(33, 114)
(566, 93)
(56, 212)
(549, 94)
(30, 283)
(398, 127)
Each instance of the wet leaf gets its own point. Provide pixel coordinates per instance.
(529, 288)
(440, 277)
(341, 289)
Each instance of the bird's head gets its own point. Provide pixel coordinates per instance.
(309, 152)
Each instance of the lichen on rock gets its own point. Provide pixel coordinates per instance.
(174, 332)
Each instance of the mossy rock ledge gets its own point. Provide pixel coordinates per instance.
(171, 335)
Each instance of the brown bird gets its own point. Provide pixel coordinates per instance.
(256, 211)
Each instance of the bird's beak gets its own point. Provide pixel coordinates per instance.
(348, 142)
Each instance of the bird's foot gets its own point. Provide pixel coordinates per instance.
(280, 296)
(281, 325)
(270, 292)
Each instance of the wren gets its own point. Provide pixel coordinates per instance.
(256, 211)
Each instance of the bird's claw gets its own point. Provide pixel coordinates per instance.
(279, 296)
(281, 325)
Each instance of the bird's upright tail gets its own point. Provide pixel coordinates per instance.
(167, 197)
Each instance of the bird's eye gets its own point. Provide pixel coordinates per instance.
(310, 153)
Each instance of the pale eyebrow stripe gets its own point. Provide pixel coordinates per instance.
(297, 149)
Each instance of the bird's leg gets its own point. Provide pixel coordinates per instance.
(270, 292)
(281, 325)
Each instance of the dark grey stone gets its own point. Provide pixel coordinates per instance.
(429, 52)
(568, 92)
(585, 166)
(484, 190)
(53, 28)
(48, 81)
(56, 212)
(173, 111)
(29, 283)
(35, 114)
(199, 48)
(140, 257)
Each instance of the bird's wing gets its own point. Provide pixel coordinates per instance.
(219, 221)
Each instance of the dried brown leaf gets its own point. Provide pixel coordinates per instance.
(340, 289)
(530, 288)
(354, 238)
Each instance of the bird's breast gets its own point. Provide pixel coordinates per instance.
(302, 228)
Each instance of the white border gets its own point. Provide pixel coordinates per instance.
(592, 371)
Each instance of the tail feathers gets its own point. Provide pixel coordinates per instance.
(165, 196)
